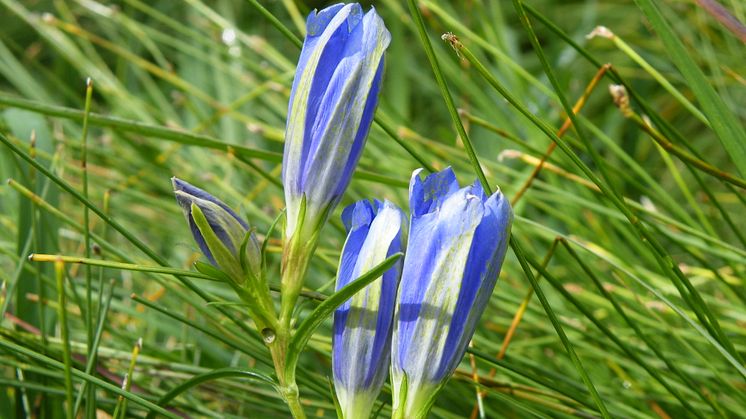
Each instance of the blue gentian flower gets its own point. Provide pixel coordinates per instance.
(334, 96)
(230, 231)
(457, 243)
(363, 324)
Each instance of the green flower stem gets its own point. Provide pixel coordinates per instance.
(292, 397)
(260, 307)
(278, 346)
(295, 262)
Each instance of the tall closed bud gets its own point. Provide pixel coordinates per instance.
(334, 96)
(363, 324)
(457, 243)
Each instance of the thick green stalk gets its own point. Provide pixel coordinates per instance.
(295, 261)
(277, 342)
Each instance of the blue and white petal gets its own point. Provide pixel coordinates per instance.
(456, 246)
(334, 96)
(363, 324)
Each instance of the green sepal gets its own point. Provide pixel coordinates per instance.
(424, 409)
(211, 271)
(337, 406)
(271, 230)
(225, 260)
(246, 264)
(247, 294)
(422, 405)
(399, 409)
(301, 216)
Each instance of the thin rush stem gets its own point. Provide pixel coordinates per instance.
(558, 327)
(479, 404)
(450, 105)
(179, 136)
(121, 408)
(617, 341)
(524, 304)
(604, 32)
(664, 259)
(59, 270)
(51, 362)
(212, 332)
(563, 129)
(40, 257)
(608, 295)
(517, 319)
(276, 23)
(667, 264)
(621, 99)
(90, 362)
(91, 394)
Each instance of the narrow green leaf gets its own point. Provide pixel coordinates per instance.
(87, 377)
(211, 271)
(114, 224)
(725, 124)
(136, 127)
(325, 309)
(553, 318)
(210, 376)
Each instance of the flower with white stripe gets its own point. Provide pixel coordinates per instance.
(363, 324)
(457, 243)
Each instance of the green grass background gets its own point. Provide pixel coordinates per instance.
(640, 309)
